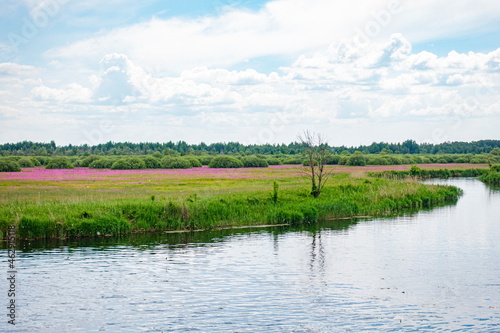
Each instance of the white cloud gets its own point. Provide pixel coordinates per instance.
(284, 27)
(382, 82)
(73, 93)
(10, 69)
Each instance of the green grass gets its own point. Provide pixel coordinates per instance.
(491, 176)
(212, 203)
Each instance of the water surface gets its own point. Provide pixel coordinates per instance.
(435, 270)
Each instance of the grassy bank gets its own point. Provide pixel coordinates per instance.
(419, 173)
(491, 176)
(250, 203)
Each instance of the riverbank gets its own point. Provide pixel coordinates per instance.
(246, 201)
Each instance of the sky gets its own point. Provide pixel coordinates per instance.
(256, 72)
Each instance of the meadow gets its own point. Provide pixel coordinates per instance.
(61, 203)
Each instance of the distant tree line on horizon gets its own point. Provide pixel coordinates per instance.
(29, 148)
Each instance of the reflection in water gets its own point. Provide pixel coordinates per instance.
(317, 254)
(431, 270)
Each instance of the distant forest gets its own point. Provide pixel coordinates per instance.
(29, 148)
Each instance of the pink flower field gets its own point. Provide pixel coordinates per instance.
(275, 171)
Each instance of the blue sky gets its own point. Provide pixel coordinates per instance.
(249, 71)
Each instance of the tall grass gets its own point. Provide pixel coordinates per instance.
(429, 173)
(346, 197)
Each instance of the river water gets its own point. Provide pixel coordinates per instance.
(436, 270)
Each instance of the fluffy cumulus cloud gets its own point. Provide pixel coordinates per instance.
(195, 79)
(280, 27)
(346, 81)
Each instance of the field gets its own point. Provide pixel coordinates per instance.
(81, 201)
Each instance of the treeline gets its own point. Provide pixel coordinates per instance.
(29, 148)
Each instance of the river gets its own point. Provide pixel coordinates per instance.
(435, 270)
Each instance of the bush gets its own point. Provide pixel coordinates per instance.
(87, 160)
(393, 160)
(9, 166)
(254, 162)
(293, 160)
(343, 160)
(60, 162)
(377, 160)
(170, 162)
(35, 161)
(273, 161)
(101, 163)
(26, 162)
(195, 163)
(43, 160)
(479, 160)
(205, 159)
(357, 159)
(332, 159)
(129, 164)
(225, 162)
(306, 163)
(152, 162)
(462, 160)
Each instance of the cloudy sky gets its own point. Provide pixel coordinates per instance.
(250, 71)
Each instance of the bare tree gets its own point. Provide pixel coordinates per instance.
(317, 152)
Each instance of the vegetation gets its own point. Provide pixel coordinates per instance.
(59, 162)
(28, 148)
(169, 162)
(344, 197)
(152, 162)
(225, 162)
(195, 163)
(317, 152)
(128, 164)
(101, 163)
(492, 176)
(429, 173)
(9, 166)
(356, 159)
(26, 162)
(254, 162)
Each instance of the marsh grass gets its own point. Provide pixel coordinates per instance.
(215, 203)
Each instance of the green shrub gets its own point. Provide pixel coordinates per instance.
(195, 163)
(205, 159)
(343, 160)
(306, 162)
(101, 163)
(9, 166)
(415, 171)
(60, 162)
(35, 161)
(152, 162)
(87, 160)
(43, 160)
(332, 159)
(129, 164)
(225, 162)
(461, 160)
(274, 161)
(26, 162)
(377, 160)
(170, 162)
(254, 162)
(293, 160)
(479, 160)
(357, 159)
